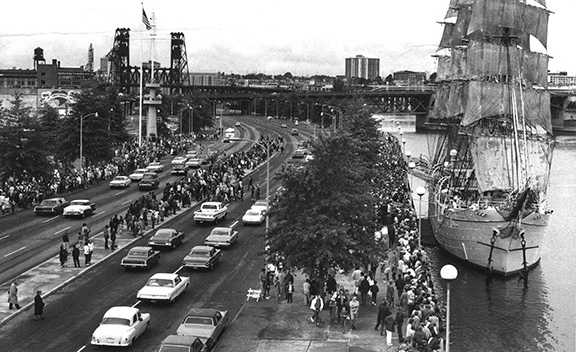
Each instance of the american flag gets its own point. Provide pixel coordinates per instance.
(145, 20)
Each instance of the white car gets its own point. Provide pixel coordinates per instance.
(120, 326)
(80, 207)
(260, 205)
(155, 167)
(163, 287)
(221, 237)
(137, 174)
(120, 182)
(253, 217)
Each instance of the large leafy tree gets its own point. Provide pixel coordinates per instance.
(50, 122)
(23, 148)
(326, 217)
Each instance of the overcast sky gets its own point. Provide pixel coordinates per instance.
(304, 37)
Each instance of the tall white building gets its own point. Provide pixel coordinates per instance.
(362, 67)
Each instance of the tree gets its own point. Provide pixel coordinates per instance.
(325, 218)
(338, 85)
(24, 153)
(50, 122)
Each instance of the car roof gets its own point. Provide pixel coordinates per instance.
(165, 230)
(202, 248)
(121, 311)
(212, 203)
(203, 312)
(81, 200)
(141, 248)
(222, 228)
(57, 198)
(169, 276)
(140, 170)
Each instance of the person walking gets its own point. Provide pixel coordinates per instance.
(389, 323)
(306, 291)
(90, 251)
(113, 239)
(374, 291)
(354, 308)
(390, 292)
(400, 324)
(66, 239)
(86, 254)
(76, 256)
(383, 312)
(13, 295)
(63, 255)
(106, 234)
(85, 230)
(363, 288)
(38, 306)
(289, 292)
(262, 277)
(317, 306)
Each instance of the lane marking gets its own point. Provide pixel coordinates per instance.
(16, 251)
(180, 268)
(234, 224)
(82, 348)
(52, 218)
(1, 238)
(116, 194)
(135, 304)
(64, 229)
(126, 202)
(97, 214)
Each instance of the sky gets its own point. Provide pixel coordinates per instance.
(303, 37)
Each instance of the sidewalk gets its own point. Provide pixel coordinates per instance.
(272, 325)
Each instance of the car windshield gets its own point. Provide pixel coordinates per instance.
(253, 212)
(140, 171)
(209, 206)
(260, 204)
(163, 234)
(198, 320)
(138, 253)
(115, 321)
(119, 178)
(220, 232)
(199, 253)
(160, 283)
(148, 177)
(49, 202)
(78, 202)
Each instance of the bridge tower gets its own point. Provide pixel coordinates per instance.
(179, 75)
(119, 57)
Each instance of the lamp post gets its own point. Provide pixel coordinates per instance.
(411, 166)
(403, 145)
(448, 273)
(191, 125)
(420, 192)
(82, 119)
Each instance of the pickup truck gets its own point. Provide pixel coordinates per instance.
(205, 323)
(202, 257)
(211, 212)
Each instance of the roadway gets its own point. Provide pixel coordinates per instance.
(74, 311)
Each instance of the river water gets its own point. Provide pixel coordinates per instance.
(504, 315)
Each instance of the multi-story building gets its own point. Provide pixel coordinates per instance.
(409, 78)
(561, 79)
(362, 67)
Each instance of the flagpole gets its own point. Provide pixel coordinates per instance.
(153, 35)
(141, 82)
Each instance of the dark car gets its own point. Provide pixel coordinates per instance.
(52, 206)
(140, 257)
(294, 132)
(149, 181)
(166, 238)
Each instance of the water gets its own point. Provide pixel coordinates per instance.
(504, 315)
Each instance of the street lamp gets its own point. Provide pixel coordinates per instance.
(411, 166)
(448, 273)
(403, 144)
(420, 192)
(82, 119)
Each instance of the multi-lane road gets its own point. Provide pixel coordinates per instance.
(74, 311)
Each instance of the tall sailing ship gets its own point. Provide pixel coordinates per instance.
(490, 170)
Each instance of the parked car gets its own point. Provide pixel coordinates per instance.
(194, 163)
(120, 326)
(51, 206)
(181, 343)
(137, 174)
(202, 257)
(206, 323)
(211, 212)
(283, 125)
(140, 257)
(120, 182)
(80, 207)
(163, 287)
(149, 181)
(155, 166)
(294, 132)
(238, 124)
(260, 205)
(166, 238)
(253, 217)
(221, 237)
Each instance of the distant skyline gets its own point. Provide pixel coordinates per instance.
(252, 36)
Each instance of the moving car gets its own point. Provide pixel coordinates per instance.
(120, 326)
(237, 124)
(51, 206)
(206, 323)
(166, 238)
(283, 125)
(181, 343)
(179, 165)
(253, 217)
(155, 166)
(194, 163)
(211, 212)
(202, 257)
(260, 205)
(300, 153)
(294, 132)
(221, 237)
(149, 181)
(80, 207)
(163, 287)
(120, 182)
(140, 257)
(137, 174)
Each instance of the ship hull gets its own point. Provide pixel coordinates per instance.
(467, 234)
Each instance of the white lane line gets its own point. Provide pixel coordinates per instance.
(180, 268)
(82, 348)
(97, 214)
(16, 251)
(52, 218)
(135, 304)
(1, 238)
(234, 224)
(116, 194)
(64, 229)
(126, 202)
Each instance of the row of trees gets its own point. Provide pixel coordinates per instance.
(328, 214)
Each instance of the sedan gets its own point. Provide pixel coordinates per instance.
(163, 287)
(120, 326)
(120, 182)
(141, 257)
(283, 125)
(52, 206)
(181, 343)
(155, 167)
(206, 323)
(221, 237)
(166, 238)
(253, 217)
(80, 207)
(137, 174)
(260, 205)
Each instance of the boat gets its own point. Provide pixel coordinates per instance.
(490, 167)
